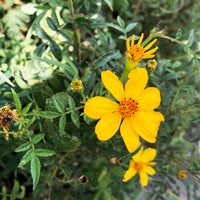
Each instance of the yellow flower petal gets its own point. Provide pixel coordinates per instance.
(131, 139)
(144, 128)
(148, 155)
(143, 178)
(148, 56)
(108, 126)
(132, 40)
(129, 174)
(113, 84)
(151, 51)
(150, 45)
(137, 81)
(140, 40)
(97, 107)
(137, 156)
(149, 170)
(149, 99)
(128, 44)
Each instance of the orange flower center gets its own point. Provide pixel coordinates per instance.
(137, 52)
(138, 166)
(128, 107)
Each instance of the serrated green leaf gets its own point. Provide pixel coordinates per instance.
(40, 32)
(116, 27)
(71, 102)
(75, 119)
(120, 22)
(16, 98)
(23, 147)
(26, 158)
(2, 76)
(109, 3)
(26, 109)
(39, 50)
(51, 24)
(47, 114)
(178, 34)
(37, 138)
(35, 170)
(62, 123)
(55, 49)
(58, 105)
(191, 38)
(44, 152)
(130, 27)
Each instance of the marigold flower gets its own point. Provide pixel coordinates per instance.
(136, 52)
(77, 85)
(182, 174)
(135, 108)
(140, 163)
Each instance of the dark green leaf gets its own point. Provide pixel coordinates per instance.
(47, 114)
(71, 102)
(55, 49)
(37, 138)
(58, 105)
(65, 35)
(73, 67)
(23, 147)
(44, 152)
(16, 98)
(54, 17)
(40, 32)
(39, 50)
(25, 109)
(51, 24)
(26, 158)
(35, 170)
(75, 119)
(116, 27)
(62, 123)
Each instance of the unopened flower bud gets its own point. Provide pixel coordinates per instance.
(83, 179)
(151, 66)
(115, 160)
(182, 174)
(77, 85)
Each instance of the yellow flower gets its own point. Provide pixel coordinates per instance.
(135, 108)
(141, 164)
(182, 174)
(136, 52)
(77, 85)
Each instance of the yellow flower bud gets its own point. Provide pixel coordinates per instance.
(182, 174)
(77, 85)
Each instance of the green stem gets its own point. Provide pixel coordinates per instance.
(124, 74)
(173, 195)
(83, 95)
(76, 31)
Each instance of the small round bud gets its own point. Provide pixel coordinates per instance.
(77, 85)
(151, 66)
(182, 174)
(83, 179)
(115, 160)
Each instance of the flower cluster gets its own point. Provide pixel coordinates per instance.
(133, 111)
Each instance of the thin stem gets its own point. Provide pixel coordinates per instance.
(173, 195)
(124, 74)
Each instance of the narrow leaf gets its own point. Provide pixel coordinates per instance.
(51, 24)
(16, 98)
(58, 105)
(116, 27)
(120, 22)
(23, 147)
(109, 3)
(2, 76)
(37, 138)
(130, 27)
(40, 32)
(65, 35)
(47, 114)
(44, 152)
(75, 119)
(26, 158)
(191, 38)
(26, 109)
(55, 49)
(62, 123)
(179, 34)
(71, 102)
(39, 50)
(35, 170)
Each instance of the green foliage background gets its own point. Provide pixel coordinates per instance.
(44, 46)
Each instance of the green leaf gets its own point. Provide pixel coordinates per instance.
(51, 24)
(35, 170)
(39, 50)
(16, 98)
(71, 102)
(40, 32)
(191, 38)
(26, 158)
(120, 22)
(55, 49)
(47, 114)
(122, 37)
(109, 3)
(130, 27)
(37, 138)
(65, 35)
(75, 119)
(54, 16)
(44, 152)
(178, 34)
(15, 189)
(62, 123)
(102, 60)
(23, 147)
(2, 76)
(58, 105)
(26, 109)
(116, 27)
(73, 67)
(4, 193)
